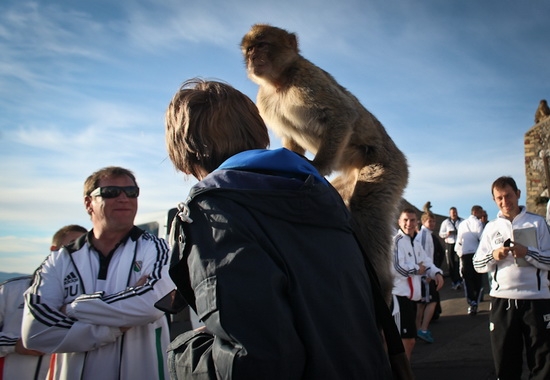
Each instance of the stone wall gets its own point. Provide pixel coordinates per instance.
(537, 167)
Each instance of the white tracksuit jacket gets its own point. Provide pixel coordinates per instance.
(88, 340)
(407, 255)
(510, 280)
(16, 366)
(468, 236)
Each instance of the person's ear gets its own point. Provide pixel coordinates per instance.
(88, 204)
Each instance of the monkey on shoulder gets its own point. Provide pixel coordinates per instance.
(310, 111)
(304, 104)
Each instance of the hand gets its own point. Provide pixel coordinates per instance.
(202, 329)
(21, 350)
(501, 253)
(141, 281)
(421, 269)
(518, 250)
(439, 281)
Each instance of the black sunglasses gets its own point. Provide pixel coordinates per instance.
(114, 191)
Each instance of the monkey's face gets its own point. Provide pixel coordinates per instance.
(268, 51)
(257, 58)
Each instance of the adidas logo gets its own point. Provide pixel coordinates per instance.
(499, 239)
(70, 278)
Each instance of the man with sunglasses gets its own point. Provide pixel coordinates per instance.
(92, 302)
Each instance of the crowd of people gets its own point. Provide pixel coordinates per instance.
(269, 261)
(513, 249)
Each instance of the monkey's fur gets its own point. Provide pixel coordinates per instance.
(310, 111)
(542, 112)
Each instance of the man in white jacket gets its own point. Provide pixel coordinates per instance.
(467, 241)
(448, 231)
(410, 263)
(515, 249)
(92, 302)
(16, 361)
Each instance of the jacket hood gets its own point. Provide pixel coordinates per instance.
(281, 161)
(278, 183)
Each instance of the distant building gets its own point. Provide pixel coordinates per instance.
(537, 167)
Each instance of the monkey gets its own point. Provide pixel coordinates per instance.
(427, 207)
(543, 112)
(310, 111)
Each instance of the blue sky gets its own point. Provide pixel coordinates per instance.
(84, 84)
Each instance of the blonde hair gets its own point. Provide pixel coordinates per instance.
(427, 215)
(207, 122)
(61, 234)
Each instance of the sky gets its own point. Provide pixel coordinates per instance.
(85, 84)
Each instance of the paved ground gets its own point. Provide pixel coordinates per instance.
(462, 349)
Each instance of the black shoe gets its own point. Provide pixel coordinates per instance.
(472, 310)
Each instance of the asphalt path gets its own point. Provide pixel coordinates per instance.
(461, 348)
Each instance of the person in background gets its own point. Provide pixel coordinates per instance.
(515, 249)
(92, 301)
(484, 218)
(411, 263)
(447, 231)
(467, 241)
(17, 362)
(66, 235)
(439, 257)
(270, 262)
(430, 296)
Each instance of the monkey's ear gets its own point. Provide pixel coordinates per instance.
(293, 41)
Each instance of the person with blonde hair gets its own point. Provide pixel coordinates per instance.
(270, 263)
(66, 235)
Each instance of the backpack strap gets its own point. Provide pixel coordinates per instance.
(183, 295)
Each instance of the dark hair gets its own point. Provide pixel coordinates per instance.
(207, 122)
(409, 210)
(476, 208)
(502, 182)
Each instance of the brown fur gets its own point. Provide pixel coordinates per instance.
(543, 112)
(311, 112)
